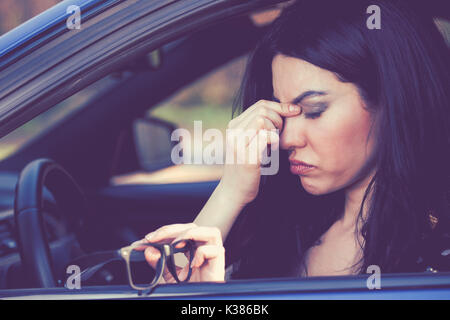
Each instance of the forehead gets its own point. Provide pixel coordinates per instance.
(291, 76)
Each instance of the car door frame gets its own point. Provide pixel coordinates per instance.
(414, 286)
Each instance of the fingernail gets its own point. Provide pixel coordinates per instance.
(150, 236)
(293, 108)
(175, 241)
(179, 245)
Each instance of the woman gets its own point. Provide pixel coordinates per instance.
(363, 116)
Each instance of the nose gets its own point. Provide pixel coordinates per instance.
(293, 134)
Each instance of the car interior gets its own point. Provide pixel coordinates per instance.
(97, 141)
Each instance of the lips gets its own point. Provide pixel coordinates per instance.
(300, 167)
(298, 162)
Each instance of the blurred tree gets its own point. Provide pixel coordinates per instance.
(216, 88)
(15, 12)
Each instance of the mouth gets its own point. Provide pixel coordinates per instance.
(300, 167)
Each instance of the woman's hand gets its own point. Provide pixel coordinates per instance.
(208, 263)
(240, 182)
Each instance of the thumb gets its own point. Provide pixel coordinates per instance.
(152, 255)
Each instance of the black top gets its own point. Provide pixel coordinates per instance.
(431, 254)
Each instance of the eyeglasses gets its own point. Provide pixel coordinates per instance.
(141, 276)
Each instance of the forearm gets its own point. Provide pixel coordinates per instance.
(220, 211)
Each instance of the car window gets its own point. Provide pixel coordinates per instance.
(206, 103)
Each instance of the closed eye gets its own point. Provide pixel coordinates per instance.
(313, 112)
(313, 115)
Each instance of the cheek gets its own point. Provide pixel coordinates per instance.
(340, 140)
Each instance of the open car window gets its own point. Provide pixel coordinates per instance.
(204, 104)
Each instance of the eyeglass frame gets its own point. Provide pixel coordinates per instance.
(167, 251)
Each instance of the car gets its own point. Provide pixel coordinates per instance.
(73, 186)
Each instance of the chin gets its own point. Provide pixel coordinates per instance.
(310, 187)
(314, 188)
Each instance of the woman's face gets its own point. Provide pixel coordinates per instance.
(332, 133)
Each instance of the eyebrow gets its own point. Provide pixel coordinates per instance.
(304, 95)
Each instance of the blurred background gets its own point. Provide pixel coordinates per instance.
(210, 100)
(14, 12)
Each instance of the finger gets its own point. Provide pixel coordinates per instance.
(269, 125)
(152, 255)
(274, 139)
(137, 244)
(257, 147)
(240, 143)
(243, 143)
(258, 122)
(209, 235)
(169, 232)
(266, 138)
(283, 109)
(248, 133)
(167, 276)
(258, 144)
(263, 126)
(267, 114)
(268, 135)
(208, 252)
(183, 273)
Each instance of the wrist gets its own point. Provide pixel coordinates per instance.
(227, 196)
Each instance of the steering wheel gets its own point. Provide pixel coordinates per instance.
(32, 238)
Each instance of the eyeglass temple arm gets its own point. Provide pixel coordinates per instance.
(89, 264)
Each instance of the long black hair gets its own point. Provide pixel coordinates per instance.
(402, 73)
